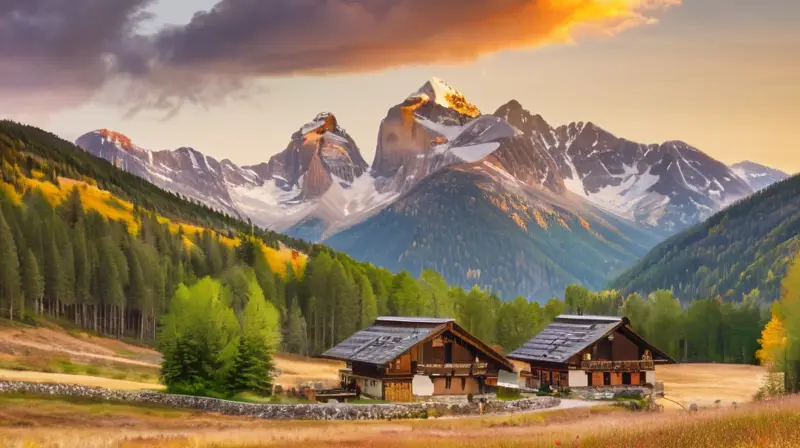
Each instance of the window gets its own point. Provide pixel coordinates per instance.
(447, 382)
(606, 378)
(587, 356)
(463, 383)
(448, 353)
(626, 378)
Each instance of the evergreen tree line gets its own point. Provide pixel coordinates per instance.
(25, 149)
(732, 254)
(68, 263)
(705, 330)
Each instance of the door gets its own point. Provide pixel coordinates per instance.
(398, 392)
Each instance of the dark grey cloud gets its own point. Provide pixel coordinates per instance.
(61, 51)
(80, 45)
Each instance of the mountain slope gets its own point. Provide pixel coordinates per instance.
(472, 229)
(757, 175)
(667, 187)
(18, 142)
(744, 247)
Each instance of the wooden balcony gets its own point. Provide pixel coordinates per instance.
(618, 366)
(479, 368)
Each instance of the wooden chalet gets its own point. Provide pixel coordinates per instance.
(590, 351)
(399, 358)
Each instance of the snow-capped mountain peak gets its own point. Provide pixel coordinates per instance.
(441, 93)
(122, 141)
(757, 175)
(667, 186)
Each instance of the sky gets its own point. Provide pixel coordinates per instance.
(236, 82)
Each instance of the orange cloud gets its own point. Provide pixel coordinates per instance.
(219, 51)
(341, 36)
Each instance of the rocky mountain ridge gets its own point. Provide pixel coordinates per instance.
(565, 193)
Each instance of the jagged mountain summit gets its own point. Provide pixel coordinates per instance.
(757, 175)
(505, 201)
(320, 174)
(668, 186)
(183, 170)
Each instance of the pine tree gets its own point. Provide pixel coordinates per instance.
(369, 306)
(72, 207)
(296, 330)
(343, 302)
(33, 283)
(9, 269)
(83, 268)
(54, 276)
(252, 367)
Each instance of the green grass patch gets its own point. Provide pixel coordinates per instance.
(65, 365)
(68, 405)
(249, 397)
(369, 401)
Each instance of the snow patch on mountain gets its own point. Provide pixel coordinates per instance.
(474, 153)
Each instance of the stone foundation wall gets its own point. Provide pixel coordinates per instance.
(281, 411)
(610, 392)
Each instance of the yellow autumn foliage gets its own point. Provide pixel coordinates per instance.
(781, 336)
(116, 209)
(773, 342)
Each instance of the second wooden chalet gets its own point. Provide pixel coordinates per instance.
(399, 358)
(590, 351)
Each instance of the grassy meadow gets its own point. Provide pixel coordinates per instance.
(32, 421)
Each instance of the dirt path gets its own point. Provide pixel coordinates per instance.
(80, 380)
(23, 344)
(20, 342)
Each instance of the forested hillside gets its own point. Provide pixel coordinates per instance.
(142, 263)
(743, 250)
(112, 261)
(32, 148)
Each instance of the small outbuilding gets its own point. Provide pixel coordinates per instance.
(400, 358)
(590, 351)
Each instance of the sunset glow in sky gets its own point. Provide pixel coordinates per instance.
(722, 75)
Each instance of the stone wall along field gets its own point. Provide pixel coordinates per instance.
(396, 411)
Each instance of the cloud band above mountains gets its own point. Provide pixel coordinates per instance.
(61, 52)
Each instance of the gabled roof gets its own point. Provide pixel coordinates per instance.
(568, 335)
(416, 320)
(390, 337)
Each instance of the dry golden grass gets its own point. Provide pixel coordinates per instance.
(80, 380)
(297, 369)
(703, 384)
(48, 422)
(46, 354)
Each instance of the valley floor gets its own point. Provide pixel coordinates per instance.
(55, 355)
(29, 421)
(52, 354)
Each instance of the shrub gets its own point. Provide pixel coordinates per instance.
(504, 393)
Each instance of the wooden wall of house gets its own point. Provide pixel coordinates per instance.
(458, 386)
(433, 352)
(623, 349)
(620, 349)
